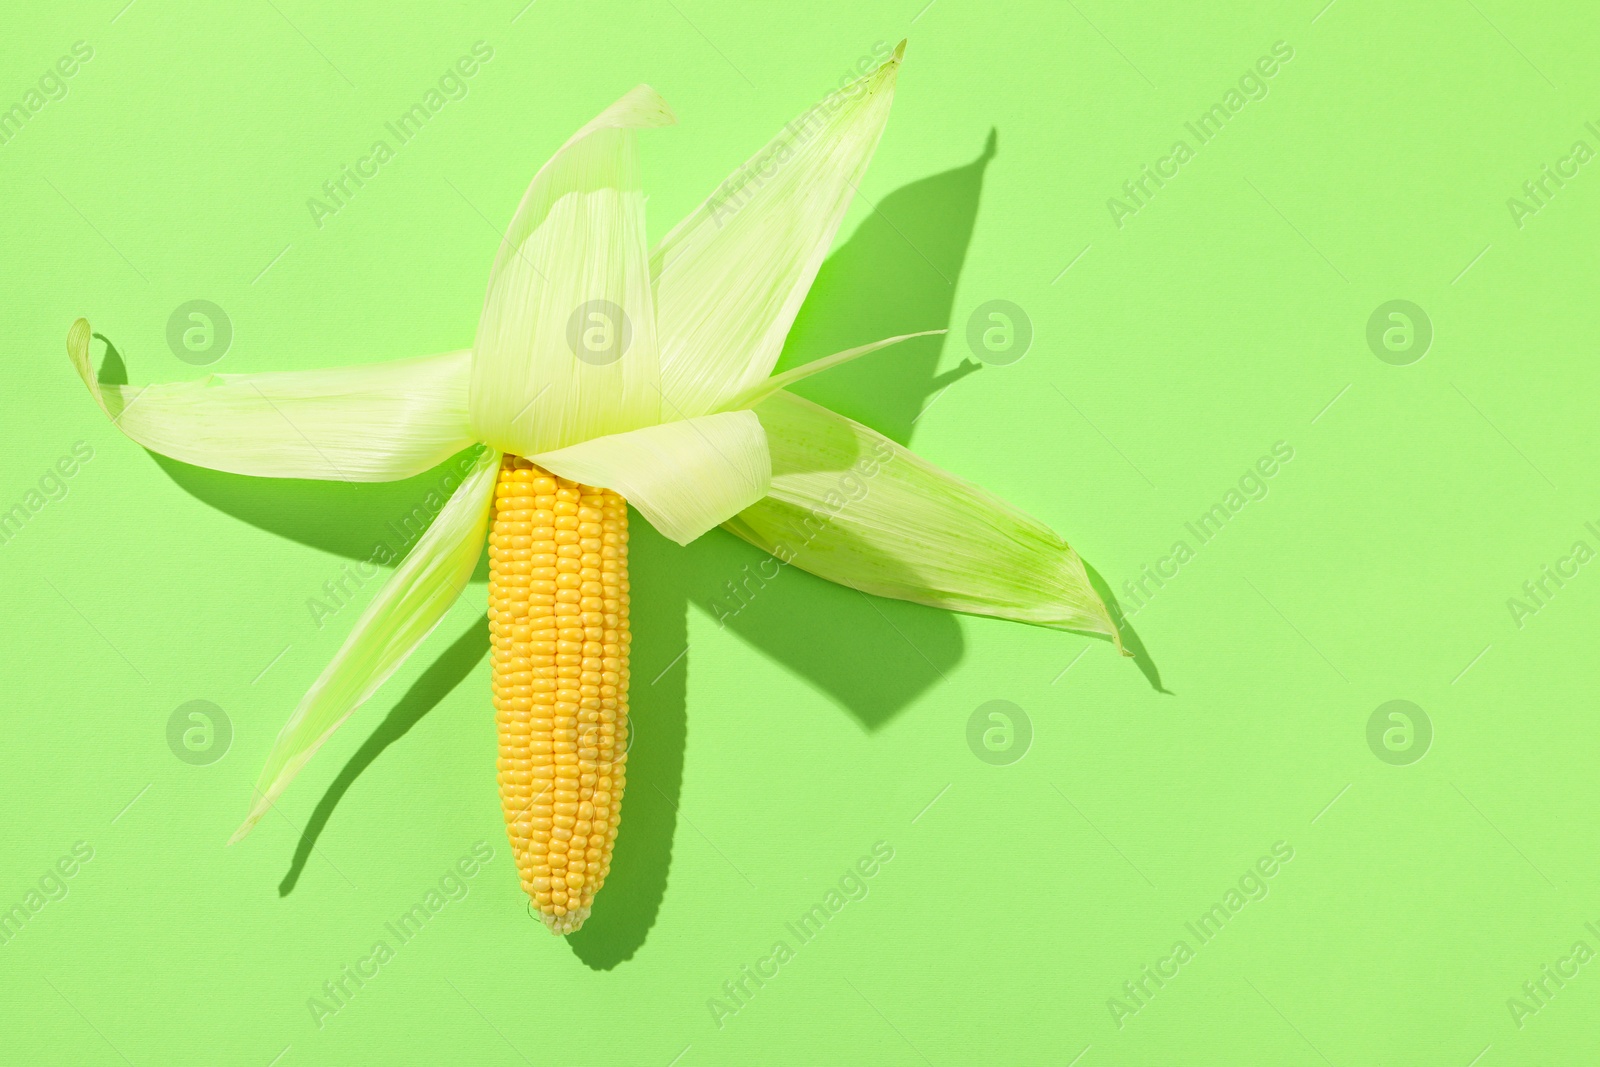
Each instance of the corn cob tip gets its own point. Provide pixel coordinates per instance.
(562, 925)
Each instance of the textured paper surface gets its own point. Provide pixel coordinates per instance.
(1181, 343)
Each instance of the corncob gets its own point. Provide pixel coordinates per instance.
(558, 618)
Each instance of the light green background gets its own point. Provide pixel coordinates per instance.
(1227, 315)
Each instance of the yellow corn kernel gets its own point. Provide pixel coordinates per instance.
(558, 620)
